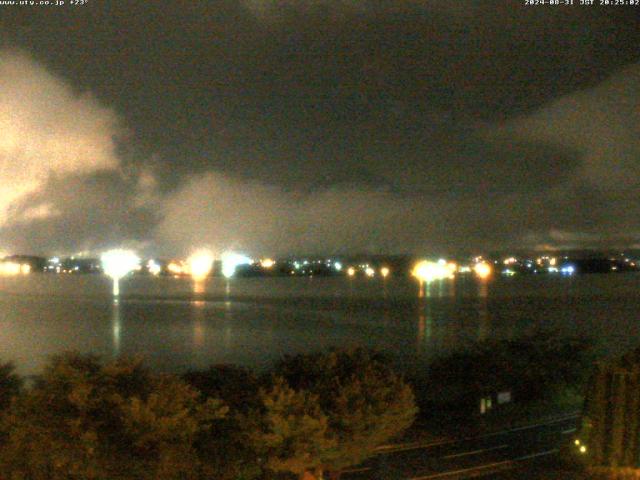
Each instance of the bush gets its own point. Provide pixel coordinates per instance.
(351, 401)
(536, 367)
(117, 421)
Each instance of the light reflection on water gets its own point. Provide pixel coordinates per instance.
(178, 324)
(116, 327)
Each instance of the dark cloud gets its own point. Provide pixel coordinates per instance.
(327, 126)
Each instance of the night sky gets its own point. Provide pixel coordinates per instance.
(318, 126)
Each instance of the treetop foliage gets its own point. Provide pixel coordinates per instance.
(86, 419)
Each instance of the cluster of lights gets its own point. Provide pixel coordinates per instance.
(426, 271)
(267, 263)
(581, 447)
(14, 268)
(309, 267)
(368, 270)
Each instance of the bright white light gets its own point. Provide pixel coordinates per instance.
(200, 264)
(426, 271)
(337, 266)
(153, 267)
(351, 271)
(553, 270)
(568, 270)
(230, 261)
(370, 272)
(117, 264)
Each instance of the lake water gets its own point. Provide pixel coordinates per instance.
(176, 324)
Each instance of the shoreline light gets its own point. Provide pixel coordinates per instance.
(482, 270)
(118, 263)
(154, 267)
(231, 261)
(267, 263)
(200, 264)
(14, 268)
(175, 268)
(426, 271)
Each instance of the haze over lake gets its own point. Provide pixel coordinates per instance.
(177, 325)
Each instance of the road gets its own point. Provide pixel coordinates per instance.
(481, 455)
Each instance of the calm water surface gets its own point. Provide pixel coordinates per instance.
(177, 324)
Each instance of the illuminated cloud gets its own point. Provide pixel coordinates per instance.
(233, 214)
(47, 129)
(602, 124)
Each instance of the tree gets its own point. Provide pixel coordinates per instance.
(534, 367)
(226, 450)
(365, 403)
(83, 420)
(236, 386)
(291, 430)
(10, 384)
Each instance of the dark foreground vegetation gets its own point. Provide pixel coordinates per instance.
(541, 373)
(84, 419)
(311, 416)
